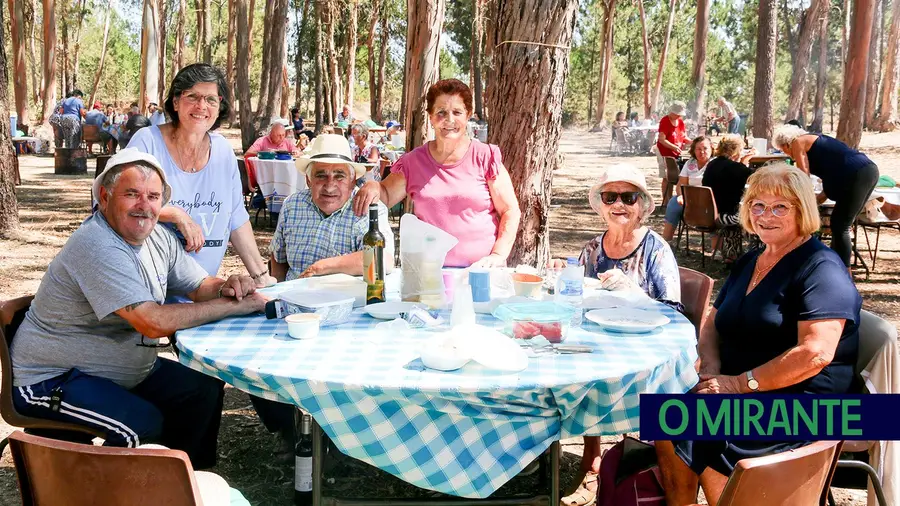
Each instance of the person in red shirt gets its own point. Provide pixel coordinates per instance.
(671, 138)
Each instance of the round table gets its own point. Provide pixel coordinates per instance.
(465, 432)
(277, 179)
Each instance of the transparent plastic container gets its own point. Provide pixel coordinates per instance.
(526, 320)
(333, 308)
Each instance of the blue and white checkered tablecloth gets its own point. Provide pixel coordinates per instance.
(465, 432)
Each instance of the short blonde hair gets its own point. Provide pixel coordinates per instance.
(730, 145)
(785, 135)
(785, 181)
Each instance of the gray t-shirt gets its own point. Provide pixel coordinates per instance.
(72, 321)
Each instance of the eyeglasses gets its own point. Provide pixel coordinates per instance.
(628, 198)
(162, 342)
(195, 98)
(780, 210)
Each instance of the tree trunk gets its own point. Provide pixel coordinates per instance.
(873, 76)
(423, 40)
(99, 72)
(278, 59)
(9, 209)
(20, 71)
(248, 133)
(789, 34)
(48, 93)
(229, 60)
(178, 60)
(207, 33)
(527, 130)
(800, 72)
(764, 82)
(76, 60)
(822, 76)
(646, 47)
(697, 106)
(477, 44)
(64, 81)
(610, 8)
(163, 38)
(379, 85)
(202, 52)
(149, 55)
(301, 29)
(320, 62)
(266, 67)
(36, 86)
(250, 27)
(663, 53)
(331, 57)
(850, 118)
(845, 29)
(285, 90)
(370, 44)
(351, 54)
(887, 116)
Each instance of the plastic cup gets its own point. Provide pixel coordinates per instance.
(448, 277)
(480, 281)
(303, 325)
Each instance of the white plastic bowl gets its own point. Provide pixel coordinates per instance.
(303, 325)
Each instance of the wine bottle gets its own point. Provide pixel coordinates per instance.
(373, 259)
(303, 463)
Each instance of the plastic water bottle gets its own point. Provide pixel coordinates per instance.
(570, 288)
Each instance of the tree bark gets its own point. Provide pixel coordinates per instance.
(207, 33)
(331, 57)
(764, 82)
(178, 60)
(645, 42)
(527, 129)
(800, 72)
(163, 38)
(887, 116)
(850, 118)
(351, 54)
(203, 50)
(76, 60)
(697, 105)
(267, 63)
(20, 71)
(99, 72)
(248, 134)
(320, 62)
(250, 27)
(9, 208)
(477, 59)
(36, 86)
(64, 76)
(48, 93)
(382, 57)
(370, 44)
(822, 76)
(609, 7)
(663, 54)
(229, 60)
(278, 59)
(845, 29)
(301, 29)
(424, 26)
(285, 90)
(873, 75)
(149, 55)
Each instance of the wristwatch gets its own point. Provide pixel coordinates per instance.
(752, 384)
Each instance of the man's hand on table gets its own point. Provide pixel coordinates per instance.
(316, 269)
(238, 287)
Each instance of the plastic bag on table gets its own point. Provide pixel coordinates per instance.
(423, 248)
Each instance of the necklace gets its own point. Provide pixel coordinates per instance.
(181, 163)
(760, 273)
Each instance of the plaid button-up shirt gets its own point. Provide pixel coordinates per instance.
(304, 235)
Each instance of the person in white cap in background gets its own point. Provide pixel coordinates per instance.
(628, 256)
(86, 350)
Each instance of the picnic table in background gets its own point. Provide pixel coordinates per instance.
(277, 179)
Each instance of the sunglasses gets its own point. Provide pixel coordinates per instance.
(628, 198)
(780, 210)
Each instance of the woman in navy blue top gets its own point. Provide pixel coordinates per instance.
(785, 321)
(848, 177)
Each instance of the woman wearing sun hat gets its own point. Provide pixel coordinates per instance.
(628, 256)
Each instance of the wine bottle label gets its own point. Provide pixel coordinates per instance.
(373, 273)
(303, 474)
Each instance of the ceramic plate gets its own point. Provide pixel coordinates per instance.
(627, 320)
(389, 310)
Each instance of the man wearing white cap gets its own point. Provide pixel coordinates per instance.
(86, 350)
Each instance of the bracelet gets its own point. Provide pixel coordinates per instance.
(220, 290)
(256, 278)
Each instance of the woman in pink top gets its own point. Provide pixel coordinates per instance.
(457, 184)
(275, 140)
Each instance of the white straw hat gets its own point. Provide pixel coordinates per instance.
(330, 148)
(130, 156)
(623, 173)
(677, 108)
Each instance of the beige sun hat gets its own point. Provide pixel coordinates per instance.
(330, 148)
(624, 173)
(677, 108)
(130, 156)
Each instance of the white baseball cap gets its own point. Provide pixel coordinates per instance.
(129, 156)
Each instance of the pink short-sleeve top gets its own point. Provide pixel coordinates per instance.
(456, 198)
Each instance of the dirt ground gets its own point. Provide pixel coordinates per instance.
(52, 207)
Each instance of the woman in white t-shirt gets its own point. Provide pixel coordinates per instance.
(207, 204)
(691, 175)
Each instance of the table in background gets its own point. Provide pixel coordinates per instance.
(891, 195)
(277, 179)
(465, 432)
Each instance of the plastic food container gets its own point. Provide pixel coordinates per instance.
(525, 320)
(303, 325)
(266, 155)
(332, 307)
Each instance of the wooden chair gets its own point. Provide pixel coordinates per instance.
(700, 214)
(696, 291)
(672, 172)
(90, 135)
(58, 472)
(795, 477)
(874, 334)
(12, 312)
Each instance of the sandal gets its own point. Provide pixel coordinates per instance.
(585, 494)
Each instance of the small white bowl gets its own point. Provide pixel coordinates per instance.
(303, 325)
